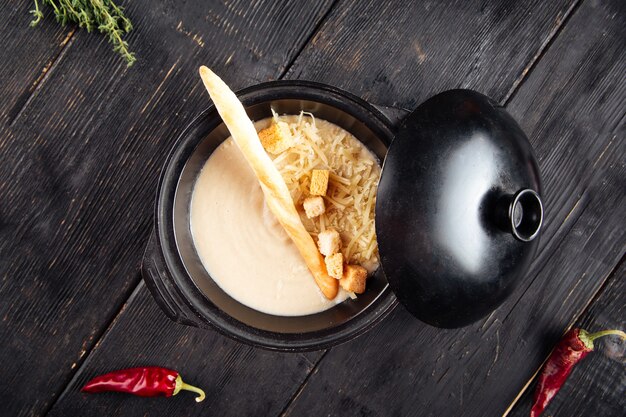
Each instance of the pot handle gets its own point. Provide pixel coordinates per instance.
(156, 276)
(521, 214)
(394, 114)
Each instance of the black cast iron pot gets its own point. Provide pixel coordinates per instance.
(425, 256)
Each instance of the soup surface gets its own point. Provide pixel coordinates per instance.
(242, 245)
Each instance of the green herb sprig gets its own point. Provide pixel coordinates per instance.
(103, 15)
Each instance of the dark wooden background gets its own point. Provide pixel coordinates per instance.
(82, 139)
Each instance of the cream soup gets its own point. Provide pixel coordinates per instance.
(242, 245)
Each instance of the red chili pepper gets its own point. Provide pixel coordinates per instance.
(145, 382)
(573, 347)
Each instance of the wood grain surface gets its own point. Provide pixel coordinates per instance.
(596, 385)
(239, 380)
(399, 53)
(80, 164)
(27, 55)
(82, 139)
(337, 76)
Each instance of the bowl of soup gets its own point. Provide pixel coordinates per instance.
(219, 259)
(279, 235)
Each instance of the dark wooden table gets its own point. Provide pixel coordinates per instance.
(82, 139)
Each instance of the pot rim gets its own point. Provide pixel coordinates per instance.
(198, 303)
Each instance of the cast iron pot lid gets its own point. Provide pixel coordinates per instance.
(458, 208)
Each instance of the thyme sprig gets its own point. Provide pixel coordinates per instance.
(103, 15)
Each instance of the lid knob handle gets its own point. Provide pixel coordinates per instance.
(525, 215)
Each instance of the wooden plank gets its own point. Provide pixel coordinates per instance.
(571, 106)
(239, 380)
(596, 385)
(26, 55)
(400, 53)
(64, 406)
(79, 167)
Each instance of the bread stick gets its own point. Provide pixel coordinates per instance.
(277, 196)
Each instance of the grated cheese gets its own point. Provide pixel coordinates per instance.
(354, 175)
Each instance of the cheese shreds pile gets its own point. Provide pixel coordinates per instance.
(351, 195)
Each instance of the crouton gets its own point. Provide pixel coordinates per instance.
(329, 242)
(353, 280)
(314, 206)
(334, 265)
(276, 138)
(319, 181)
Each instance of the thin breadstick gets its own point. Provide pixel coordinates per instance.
(276, 193)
